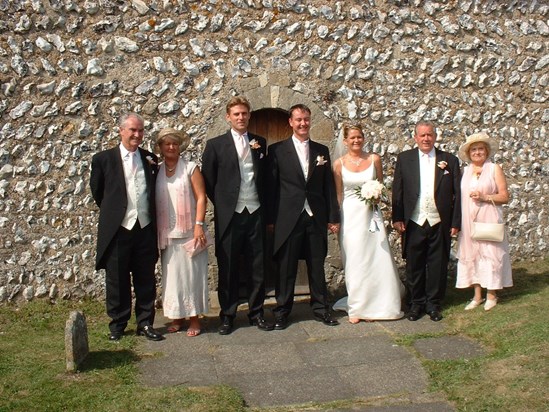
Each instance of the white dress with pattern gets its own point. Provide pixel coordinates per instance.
(184, 278)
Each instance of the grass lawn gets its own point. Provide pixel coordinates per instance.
(512, 376)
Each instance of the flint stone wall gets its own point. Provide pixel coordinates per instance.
(69, 68)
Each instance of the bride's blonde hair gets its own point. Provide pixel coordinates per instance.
(348, 127)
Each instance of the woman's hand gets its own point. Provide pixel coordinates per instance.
(199, 236)
(476, 196)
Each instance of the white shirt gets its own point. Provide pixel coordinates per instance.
(426, 208)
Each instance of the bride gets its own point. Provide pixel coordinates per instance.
(373, 287)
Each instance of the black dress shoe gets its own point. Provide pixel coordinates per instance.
(226, 326)
(326, 319)
(281, 323)
(115, 336)
(261, 323)
(413, 315)
(435, 315)
(149, 332)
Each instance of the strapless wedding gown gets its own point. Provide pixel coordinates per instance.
(373, 287)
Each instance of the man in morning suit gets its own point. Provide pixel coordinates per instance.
(122, 184)
(427, 213)
(233, 166)
(303, 206)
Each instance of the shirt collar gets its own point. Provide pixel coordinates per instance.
(431, 154)
(236, 135)
(125, 152)
(299, 142)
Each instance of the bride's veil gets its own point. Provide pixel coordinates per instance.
(339, 147)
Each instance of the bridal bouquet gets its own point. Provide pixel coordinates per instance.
(372, 192)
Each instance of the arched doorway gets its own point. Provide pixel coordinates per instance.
(272, 124)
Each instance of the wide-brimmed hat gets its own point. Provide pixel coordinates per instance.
(178, 135)
(481, 137)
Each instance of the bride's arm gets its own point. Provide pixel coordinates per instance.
(338, 180)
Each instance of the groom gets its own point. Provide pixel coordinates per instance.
(427, 213)
(303, 201)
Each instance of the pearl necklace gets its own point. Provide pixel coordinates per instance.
(355, 162)
(172, 169)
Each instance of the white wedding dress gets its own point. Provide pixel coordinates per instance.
(373, 286)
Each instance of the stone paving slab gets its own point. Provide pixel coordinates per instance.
(449, 347)
(307, 362)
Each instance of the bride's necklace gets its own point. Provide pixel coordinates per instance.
(355, 162)
(172, 169)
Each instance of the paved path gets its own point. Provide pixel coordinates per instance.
(307, 362)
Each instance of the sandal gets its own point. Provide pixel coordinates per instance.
(192, 332)
(176, 326)
(473, 304)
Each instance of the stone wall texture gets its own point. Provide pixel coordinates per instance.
(68, 68)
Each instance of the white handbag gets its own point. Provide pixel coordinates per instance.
(488, 232)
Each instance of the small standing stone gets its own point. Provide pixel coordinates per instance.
(76, 340)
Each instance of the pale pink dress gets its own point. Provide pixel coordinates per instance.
(484, 263)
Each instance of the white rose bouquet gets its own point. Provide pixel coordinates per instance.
(372, 192)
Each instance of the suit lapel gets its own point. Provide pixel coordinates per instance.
(293, 157)
(439, 173)
(414, 170)
(116, 158)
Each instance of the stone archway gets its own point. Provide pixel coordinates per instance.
(281, 99)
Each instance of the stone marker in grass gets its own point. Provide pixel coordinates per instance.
(76, 340)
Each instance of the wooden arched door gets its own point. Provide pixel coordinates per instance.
(273, 125)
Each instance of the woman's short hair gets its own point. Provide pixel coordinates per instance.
(179, 136)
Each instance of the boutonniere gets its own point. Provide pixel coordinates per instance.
(320, 161)
(254, 144)
(442, 164)
(151, 161)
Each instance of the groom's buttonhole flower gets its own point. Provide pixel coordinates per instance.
(320, 161)
(254, 144)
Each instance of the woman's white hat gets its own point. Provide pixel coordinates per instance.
(481, 137)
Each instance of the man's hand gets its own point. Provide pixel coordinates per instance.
(400, 227)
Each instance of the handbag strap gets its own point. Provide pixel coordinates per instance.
(500, 218)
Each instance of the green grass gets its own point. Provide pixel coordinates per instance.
(33, 377)
(511, 376)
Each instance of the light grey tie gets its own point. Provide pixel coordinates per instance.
(133, 163)
(242, 146)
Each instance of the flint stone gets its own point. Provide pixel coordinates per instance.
(93, 68)
(125, 44)
(76, 340)
(140, 6)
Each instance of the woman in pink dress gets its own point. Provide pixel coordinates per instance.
(180, 210)
(482, 264)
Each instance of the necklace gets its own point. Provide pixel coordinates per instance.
(355, 162)
(172, 169)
